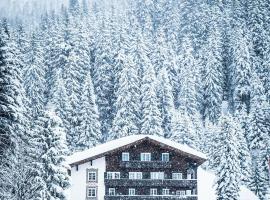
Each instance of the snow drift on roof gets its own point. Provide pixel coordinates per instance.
(111, 145)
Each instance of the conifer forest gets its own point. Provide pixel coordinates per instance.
(84, 72)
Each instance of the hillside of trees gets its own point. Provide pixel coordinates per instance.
(194, 71)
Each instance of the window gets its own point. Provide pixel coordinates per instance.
(180, 192)
(157, 175)
(145, 156)
(165, 192)
(92, 175)
(131, 191)
(188, 192)
(111, 191)
(135, 175)
(177, 176)
(113, 175)
(153, 191)
(91, 192)
(165, 157)
(191, 174)
(125, 156)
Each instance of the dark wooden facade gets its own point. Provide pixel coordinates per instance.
(179, 162)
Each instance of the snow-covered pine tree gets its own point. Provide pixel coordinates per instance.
(212, 77)
(187, 74)
(182, 129)
(241, 67)
(258, 138)
(228, 169)
(127, 119)
(166, 101)
(151, 117)
(244, 153)
(103, 79)
(13, 124)
(89, 133)
(34, 76)
(53, 157)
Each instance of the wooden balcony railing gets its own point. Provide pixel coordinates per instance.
(136, 164)
(148, 197)
(151, 182)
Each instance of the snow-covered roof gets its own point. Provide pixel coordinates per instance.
(118, 143)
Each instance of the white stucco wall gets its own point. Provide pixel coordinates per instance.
(78, 179)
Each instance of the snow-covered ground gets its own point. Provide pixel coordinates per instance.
(206, 188)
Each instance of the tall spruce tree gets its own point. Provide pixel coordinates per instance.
(228, 169)
(127, 118)
(151, 117)
(89, 133)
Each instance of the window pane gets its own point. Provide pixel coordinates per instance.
(165, 157)
(111, 191)
(125, 156)
(91, 192)
(91, 176)
(153, 191)
(145, 156)
(131, 191)
(177, 176)
(165, 191)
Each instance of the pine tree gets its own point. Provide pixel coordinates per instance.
(228, 170)
(212, 77)
(54, 157)
(126, 121)
(89, 133)
(151, 117)
(182, 129)
(166, 101)
(34, 77)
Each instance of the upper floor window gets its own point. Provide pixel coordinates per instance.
(153, 191)
(188, 192)
(180, 192)
(131, 191)
(92, 175)
(157, 175)
(111, 191)
(165, 191)
(165, 157)
(191, 174)
(125, 156)
(145, 156)
(177, 176)
(135, 175)
(91, 192)
(113, 175)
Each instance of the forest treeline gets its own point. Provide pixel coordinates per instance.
(194, 71)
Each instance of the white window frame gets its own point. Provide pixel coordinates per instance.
(92, 189)
(165, 191)
(188, 192)
(145, 156)
(153, 192)
(177, 176)
(165, 155)
(89, 176)
(125, 156)
(157, 175)
(135, 175)
(112, 175)
(131, 192)
(180, 192)
(111, 191)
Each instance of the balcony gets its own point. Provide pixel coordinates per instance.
(148, 197)
(151, 182)
(136, 164)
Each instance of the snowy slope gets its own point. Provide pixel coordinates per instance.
(206, 188)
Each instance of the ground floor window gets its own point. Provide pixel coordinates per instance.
(111, 191)
(131, 191)
(165, 191)
(180, 192)
(91, 192)
(153, 191)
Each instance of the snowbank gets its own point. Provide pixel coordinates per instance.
(206, 190)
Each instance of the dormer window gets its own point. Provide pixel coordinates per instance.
(165, 157)
(125, 156)
(145, 156)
